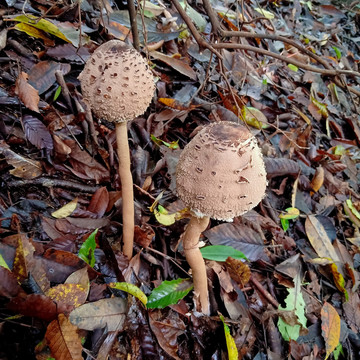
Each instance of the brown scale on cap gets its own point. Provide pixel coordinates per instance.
(117, 82)
(221, 173)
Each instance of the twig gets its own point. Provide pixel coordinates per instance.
(203, 44)
(264, 292)
(299, 64)
(64, 89)
(46, 182)
(133, 23)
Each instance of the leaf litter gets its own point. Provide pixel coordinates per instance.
(284, 277)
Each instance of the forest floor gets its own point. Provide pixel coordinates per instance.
(289, 71)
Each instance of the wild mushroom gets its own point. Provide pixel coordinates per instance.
(119, 86)
(220, 175)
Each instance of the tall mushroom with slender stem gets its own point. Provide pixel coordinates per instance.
(220, 175)
(119, 86)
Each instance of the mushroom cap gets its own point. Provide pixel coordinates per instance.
(117, 82)
(221, 172)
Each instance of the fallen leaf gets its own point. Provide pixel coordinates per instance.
(99, 202)
(318, 235)
(330, 328)
(238, 270)
(27, 94)
(37, 133)
(24, 168)
(178, 65)
(65, 210)
(131, 289)
(96, 315)
(63, 339)
(167, 331)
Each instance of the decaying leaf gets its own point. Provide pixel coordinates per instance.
(66, 210)
(318, 235)
(239, 271)
(24, 168)
(27, 94)
(131, 289)
(330, 328)
(292, 318)
(96, 315)
(63, 339)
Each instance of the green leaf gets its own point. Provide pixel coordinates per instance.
(338, 351)
(221, 253)
(293, 312)
(172, 145)
(87, 249)
(230, 342)
(337, 52)
(3, 263)
(169, 293)
(57, 93)
(131, 289)
(285, 224)
(293, 67)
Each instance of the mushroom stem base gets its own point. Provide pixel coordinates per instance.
(194, 258)
(126, 188)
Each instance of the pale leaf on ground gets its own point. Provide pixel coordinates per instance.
(106, 312)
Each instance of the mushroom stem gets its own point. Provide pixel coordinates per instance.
(127, 191)
(194, 258)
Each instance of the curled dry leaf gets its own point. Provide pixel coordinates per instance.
(63, 339)
(27, 94)
(239, 271)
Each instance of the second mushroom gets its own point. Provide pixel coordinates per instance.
(118, 85)
(220, 175)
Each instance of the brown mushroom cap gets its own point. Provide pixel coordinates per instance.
(221, 173)
(117, 82)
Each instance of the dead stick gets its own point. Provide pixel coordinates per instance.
(264, 292)
(203, 44)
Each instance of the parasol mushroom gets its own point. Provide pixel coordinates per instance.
(220, 175)
(119, 86)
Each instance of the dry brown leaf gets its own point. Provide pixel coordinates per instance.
(239, 271)
(25, 168)
(27, 94)
(63, 339)
(319, 239)
(317, 180)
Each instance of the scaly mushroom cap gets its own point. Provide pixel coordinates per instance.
(221, 173)
(117, 82)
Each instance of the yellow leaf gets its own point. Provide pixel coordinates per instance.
(339, 280)
(269, 15)
(66, 210)
(41, 24)
(131, 289)
(254, 117)
(163, 217)
(34, 32)
(230, 342)
(330, 328)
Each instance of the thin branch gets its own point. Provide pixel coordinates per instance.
(203, 44)
(133, 23)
